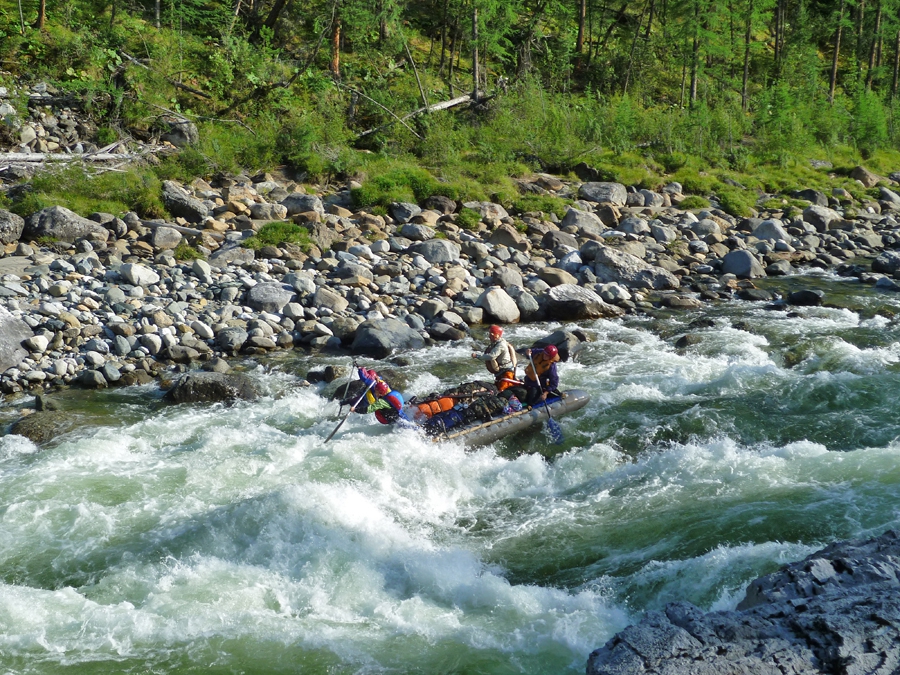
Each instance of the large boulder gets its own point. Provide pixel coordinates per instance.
(836, 611)
(611, 193)
(61, 224)
(12, 332)
(181, 205)
(887, 262)
(165, 238)
(742, 264)
(213, 387)
(11, 226)
(138, 275)
(436, 251)
(231, 339)
(613, 265)
(41, 427)
(269, 296)
(231, 254)
(298, 202)
(178, 131)
(330, 299)
(499, 305)
(583, 221)
(820, 217)
(379, 338)
(569, 302)
(771, 230)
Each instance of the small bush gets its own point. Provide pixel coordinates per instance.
(185, 251)
(135, 190)
(105, 136)
(735, 201)
(673, 161)
(543, 203)
(400, 184)
(275, 234)
(468, 219)
(694, 183)
(694, 202)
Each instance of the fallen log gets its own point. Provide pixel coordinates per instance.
(434, 107)
(63, 157)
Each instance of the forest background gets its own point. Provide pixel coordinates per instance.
(731, 98)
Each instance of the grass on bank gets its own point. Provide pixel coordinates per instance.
(278, 234)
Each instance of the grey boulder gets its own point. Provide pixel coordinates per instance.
(569, 302)
(181, 205)
(59, 223)
(743, 265)
(213, 387)
(602, 192)
(12, 332)
(613, 265)
(436, 251)
(269, 296)
(379, 338)
(11, 226)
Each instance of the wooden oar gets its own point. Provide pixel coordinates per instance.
(556, 433)
(355, 403)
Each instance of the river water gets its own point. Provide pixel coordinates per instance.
(203, 538)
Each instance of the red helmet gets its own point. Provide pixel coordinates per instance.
(551, 351)
(381, 388)
(495, 331)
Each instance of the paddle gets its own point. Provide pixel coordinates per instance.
(355, 403)
(347, 388)
(556, 433)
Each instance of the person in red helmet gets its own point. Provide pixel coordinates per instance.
(500, 359)
(386, 403)
(542, 379)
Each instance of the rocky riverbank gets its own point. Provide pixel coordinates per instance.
(834, 612)
(103, 300)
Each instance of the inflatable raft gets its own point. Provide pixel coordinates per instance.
(483, 433)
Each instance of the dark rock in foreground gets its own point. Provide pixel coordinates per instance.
(836, 612)
(213, 387)
(41, 427)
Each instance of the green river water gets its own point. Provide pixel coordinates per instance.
(209, 539)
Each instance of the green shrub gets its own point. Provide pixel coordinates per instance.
(673, 161)
(276, 234)
(112, 192)
(468, 219)
(543, 203)
(105, 136)
(694, 183)
(694, 202)
(405, 183)
(735, 201)
(185, 251)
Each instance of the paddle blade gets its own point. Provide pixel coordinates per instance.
(555, 431)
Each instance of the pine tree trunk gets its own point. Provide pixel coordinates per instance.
(695, 68)
(832, 83)
(443, 39)
(475, 53)
(579, 41)
(748, 34)
(860, 20)
(42, 15)
(873, 48)
(157, 11)
(896, 73)
(336, 48)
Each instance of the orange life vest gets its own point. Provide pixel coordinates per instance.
(429, 408)
(541, 363)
